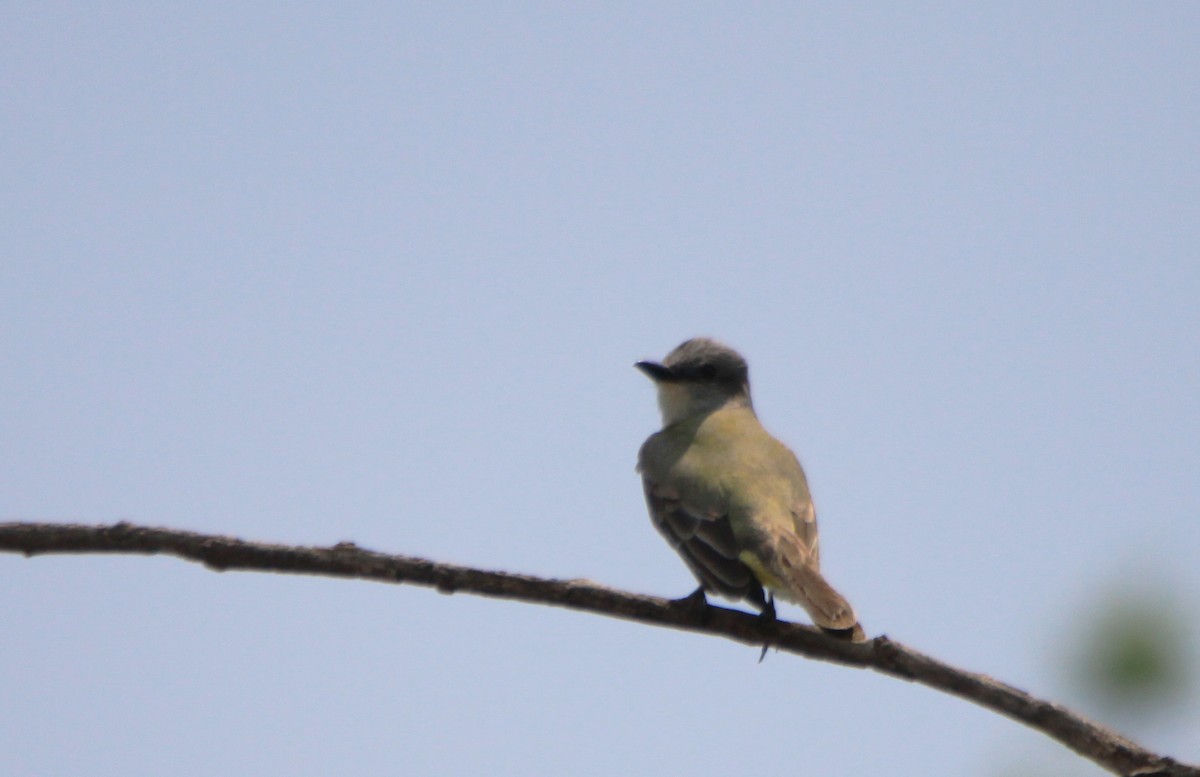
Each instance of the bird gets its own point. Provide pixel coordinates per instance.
(732, 500)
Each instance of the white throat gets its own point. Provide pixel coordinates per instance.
(674, 402)
(677, 401)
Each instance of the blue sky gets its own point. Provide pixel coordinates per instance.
(380, 272)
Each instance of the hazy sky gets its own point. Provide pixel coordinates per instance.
(379, 272)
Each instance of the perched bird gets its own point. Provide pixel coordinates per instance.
(730, 498)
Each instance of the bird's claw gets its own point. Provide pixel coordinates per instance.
(768, 619)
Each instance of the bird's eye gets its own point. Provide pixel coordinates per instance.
(706, 371)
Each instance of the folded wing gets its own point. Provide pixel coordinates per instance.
(706, 543)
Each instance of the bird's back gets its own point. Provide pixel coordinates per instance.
(729, 465)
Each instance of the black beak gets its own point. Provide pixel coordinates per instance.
(656, 371)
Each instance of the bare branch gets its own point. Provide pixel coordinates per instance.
(1107, 748)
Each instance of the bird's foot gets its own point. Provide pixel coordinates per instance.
(768, 619)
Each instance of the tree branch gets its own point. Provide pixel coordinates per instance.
(1103, 746)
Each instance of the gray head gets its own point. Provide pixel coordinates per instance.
(698, 377)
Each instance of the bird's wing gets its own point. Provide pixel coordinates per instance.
(804, 515)
(706, 543)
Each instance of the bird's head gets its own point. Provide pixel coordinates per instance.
(698, 377)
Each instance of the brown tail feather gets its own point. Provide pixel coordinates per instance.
(799, 581)
(827, 608)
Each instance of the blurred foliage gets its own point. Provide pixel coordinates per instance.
(1133, 655)
(1130, 658)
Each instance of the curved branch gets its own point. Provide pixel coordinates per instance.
(1106, 748)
